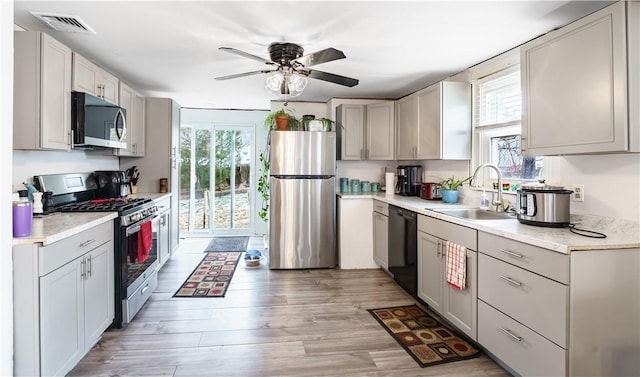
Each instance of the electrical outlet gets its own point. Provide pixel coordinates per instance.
(578, 192)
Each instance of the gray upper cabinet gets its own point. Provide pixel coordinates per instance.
(366, 132)
(42, 92)
(406, 127)
(435, 123)
(580, 85)
(163, 159)
(133, 103)
(89, 78)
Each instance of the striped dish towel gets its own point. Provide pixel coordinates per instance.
(456, 265)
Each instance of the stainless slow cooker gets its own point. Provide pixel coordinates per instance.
(541, 204)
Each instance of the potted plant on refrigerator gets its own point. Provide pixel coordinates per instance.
(449, 188)
(281, 120)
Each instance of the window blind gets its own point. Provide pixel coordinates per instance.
(498, 98)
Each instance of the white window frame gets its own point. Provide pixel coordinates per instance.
(482, 134)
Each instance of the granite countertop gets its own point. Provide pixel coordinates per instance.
(621, 234)
(59, 225)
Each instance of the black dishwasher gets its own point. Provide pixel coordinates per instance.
(403, 248)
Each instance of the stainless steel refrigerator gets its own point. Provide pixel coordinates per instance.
(302, 200)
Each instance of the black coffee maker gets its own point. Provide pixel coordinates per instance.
(409, 180)
(111, 184)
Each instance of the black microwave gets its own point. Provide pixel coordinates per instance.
(97, 123)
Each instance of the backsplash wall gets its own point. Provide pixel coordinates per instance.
(26, 164)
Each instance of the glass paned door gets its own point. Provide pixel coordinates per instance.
(216, 180)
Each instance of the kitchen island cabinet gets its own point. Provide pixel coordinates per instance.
(63, 300)
(42, 92)
(366, 132)
(580, 85)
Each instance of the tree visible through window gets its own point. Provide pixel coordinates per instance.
(507, 157)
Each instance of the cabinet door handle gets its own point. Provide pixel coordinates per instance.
(89, 266)
(438, 252)
(70, 133)
(144, 289)
(511, 253)
(83, 269)
(517, 283)
(511, 334)
(88, 242)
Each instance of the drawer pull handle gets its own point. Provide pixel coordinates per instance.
(88, 242)
(508, 332)
(511, 280)
(511, 253)
(144, 289)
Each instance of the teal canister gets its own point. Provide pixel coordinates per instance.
(344, 185)
(375, 186)
(355, 185)
(364, 186)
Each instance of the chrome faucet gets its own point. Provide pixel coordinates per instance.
(498, 202)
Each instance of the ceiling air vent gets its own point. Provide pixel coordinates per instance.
(64, 22)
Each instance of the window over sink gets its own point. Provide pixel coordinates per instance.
(497, 107)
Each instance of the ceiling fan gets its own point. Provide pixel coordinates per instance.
(291, 68)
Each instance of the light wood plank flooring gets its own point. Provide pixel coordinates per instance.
(271, 323)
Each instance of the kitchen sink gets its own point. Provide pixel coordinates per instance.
(475, 214)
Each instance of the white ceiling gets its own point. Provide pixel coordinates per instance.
(170, 48)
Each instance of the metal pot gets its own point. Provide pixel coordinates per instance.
(544, 205)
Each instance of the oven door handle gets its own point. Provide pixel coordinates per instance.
(135, 227)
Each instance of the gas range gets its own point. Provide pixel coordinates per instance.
(135, 235)
(129, 210)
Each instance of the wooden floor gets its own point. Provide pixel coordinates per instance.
(271, 323)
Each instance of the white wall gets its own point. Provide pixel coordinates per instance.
(26, 164)
(611, 183)
(6, 145)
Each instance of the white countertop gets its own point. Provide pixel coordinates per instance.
(150, 195)
(621, 234)
(57, 226)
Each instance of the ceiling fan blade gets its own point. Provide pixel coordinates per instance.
(245, 54)
(330, 77)
(242, 74)
(319, 57)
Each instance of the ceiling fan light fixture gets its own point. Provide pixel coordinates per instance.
(274, 82)
(296, 84)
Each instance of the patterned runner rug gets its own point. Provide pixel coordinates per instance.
(422, 336)
(227, 244)
(212, 276)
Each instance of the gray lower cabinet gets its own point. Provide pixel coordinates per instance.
(381, 234)
(162, 232)
(455, 305)
(545, 313)
(63, 300)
